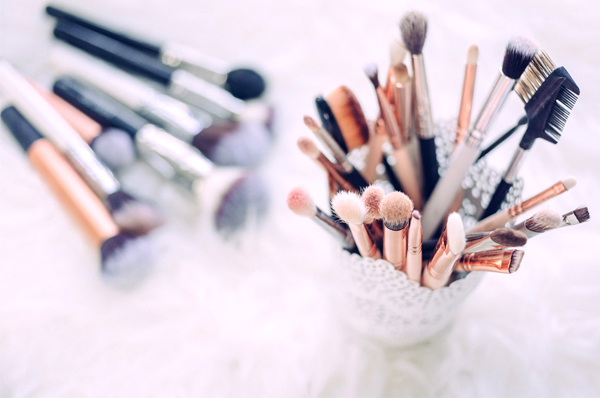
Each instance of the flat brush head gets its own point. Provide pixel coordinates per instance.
(371, 71)
(456, 233)
(515, 261)
(508, 237)
(126, 259)
(519, 53)
(350, 117)
(300, 202)
(413, 28)
(543, 221)
(472, 55)
(308, 147)
(372, 197)
(582, 214)
(115, 148)
(133, 216)
(349, 207)
(244, 84)
(396, 209)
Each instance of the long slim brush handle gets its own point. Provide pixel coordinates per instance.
(497, 199)
(330, 123)
(502, 138)
(407, 176)
(430, 165)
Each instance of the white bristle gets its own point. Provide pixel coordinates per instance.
(127, 261)
(300, 202)
(308, 147)
(569, 182)
(472, 54)
(456, 233)
(115, 148)
(349, 207)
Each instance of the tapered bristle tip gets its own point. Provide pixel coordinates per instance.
(413, 28)
(396, 209)
(543, 220)
(569, 182)
(582, 214)
(472, 54)
(300, 202)
(308, 147)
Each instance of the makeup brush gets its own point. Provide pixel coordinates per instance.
(504, 261)
(114, 147)
(125, 257)
(242, 83)
(540, 222)
(577, 216)
(466, 101)
(310, 149)
(129, 213)
(522, 121)
(503, 217)
(178, 83)
(352, 175)
(372, 198)
(330, 123)
(350, 209)
(403, 167)
(414, 255)
(300, 202)
(447, 251)
(519, 52)
(349, 116)
(413, 29)
(401, 92)
(547, 109)
(498, 239)
(396, 210)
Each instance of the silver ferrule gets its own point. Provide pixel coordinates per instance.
(98, 177)
(515, 164)
(171, 157)
(422, 106)
(569, 219)
(206, 96)
(190, 59)
(334, 228)
(491, 107)
(174, 116)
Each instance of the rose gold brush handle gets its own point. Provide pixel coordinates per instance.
(364, 243)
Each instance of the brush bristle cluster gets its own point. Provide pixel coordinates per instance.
(396, 209)
(413, 27)
(308, 147)
(519, 53)
(515, 260)
(509, 237)
(372, 197)
(300, 202)
(543, 221)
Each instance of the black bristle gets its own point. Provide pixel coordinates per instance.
(372, 72)
(413, 28)
(519, 53)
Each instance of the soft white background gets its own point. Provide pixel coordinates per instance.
(251, 317)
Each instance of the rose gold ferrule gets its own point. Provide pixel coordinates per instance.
(466, 103)
(478, 242)
(491, 261)
(73, 192)
(536, 200)
(363, 241)
(394, 247)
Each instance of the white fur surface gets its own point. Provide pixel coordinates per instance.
(252, 317)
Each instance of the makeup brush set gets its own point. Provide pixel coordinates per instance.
(399, 194)
(194, 121)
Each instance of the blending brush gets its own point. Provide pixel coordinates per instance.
(125, 257)
(466, 101)
(413, 28)
(352, 175)
(503, 217)
(350, 209)
(414, 256)
(403, 167)
(577, 216)
(447, 251)
(310, 149)
(498, 239)
(372, 197)
(129, 213)
(178, 83)
(242, 83)
(539, 223)
(549, 94)
(300, 202)
(396, 210)
(519, 52)
(500, 261)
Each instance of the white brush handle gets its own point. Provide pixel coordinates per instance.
(492, 222)
(441, 198)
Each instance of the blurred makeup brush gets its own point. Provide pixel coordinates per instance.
(547, 109)
(447, 251)
(241, 82)
(129, 213)
(352, 175)
(178, 83)
(330, 123)
(396, 210)
(519, 52)
(350, 209)
(504, 261)
(466, 101)
(349, 116)
(310, 149)
(112, 146)
(503, 217)
(403, 167)
(401, 92)
(414, 255)
(540, 222)
(577, 216)
(498, 239)
(300, 202)
(125, 258)
(372, 197)
(413, 28)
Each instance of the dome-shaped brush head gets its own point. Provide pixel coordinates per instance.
(126, 259)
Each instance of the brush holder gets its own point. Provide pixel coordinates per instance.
(379, 302)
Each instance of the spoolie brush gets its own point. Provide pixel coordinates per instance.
(396, 210)
(300, 202)
(539, 223)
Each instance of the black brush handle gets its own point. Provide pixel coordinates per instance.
(98, 105)
(149, 48)
(430, 166)
(329, 122)
(503, 138)
(113, 51)
(20, 128)
(497, 199)
(427, 247)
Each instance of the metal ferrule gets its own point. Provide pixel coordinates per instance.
(536, 200)
(99, 178)
(569, 219)
(479, 242)
(188, 165)
(334, 228)
(491, 261)
(201, 65)
(442, 259)
(515, 165)
(491, 107)
(422, 106)
(206, 96)
(363, 241)
(394, 247)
